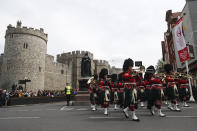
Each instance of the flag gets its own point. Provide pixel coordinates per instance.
(180, 41)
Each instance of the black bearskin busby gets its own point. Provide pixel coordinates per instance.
(114, 77)
(149, 72)
(95, 77)
(127, 63)
(168, 68)
(120, 77)
(103, 72)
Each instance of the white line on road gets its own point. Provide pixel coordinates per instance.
(21, 110)
(51, 109)
(8, 118)
(20, 105)
(82, 109)
(182, 116)
(66, 108)
(36, 110)
(98, 117)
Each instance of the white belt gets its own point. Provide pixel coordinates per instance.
(130, 83)
(105, 86)
(171, 82)
(157, 84)
(185, 84)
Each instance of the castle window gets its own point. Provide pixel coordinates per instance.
(62, 71)
(25, 45)
(11, 35)
(8, 67)
(40, 69)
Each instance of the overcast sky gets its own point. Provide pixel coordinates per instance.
(112, 30)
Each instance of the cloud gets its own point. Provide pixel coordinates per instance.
(110, 29)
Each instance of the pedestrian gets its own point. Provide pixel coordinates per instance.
(68, 93)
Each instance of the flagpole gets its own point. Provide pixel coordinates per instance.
(190, 87)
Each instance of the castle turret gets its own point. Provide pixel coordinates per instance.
(24, 57)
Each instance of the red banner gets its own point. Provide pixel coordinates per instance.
(180, 41)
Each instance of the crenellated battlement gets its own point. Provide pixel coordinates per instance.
(24, 30)
(57, 65)
(101, 62)
(74, 54)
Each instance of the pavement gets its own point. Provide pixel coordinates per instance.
(59, 117)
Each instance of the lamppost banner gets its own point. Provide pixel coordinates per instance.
(180, 41)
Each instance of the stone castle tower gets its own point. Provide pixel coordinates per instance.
(24, 57)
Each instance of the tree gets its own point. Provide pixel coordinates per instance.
(160, 66)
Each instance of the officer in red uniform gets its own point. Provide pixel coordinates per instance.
(104, 84)
(114, 90)
(156, 92)
(129, 82)
(120, 90)
(171, 88)
(141, 89)
(93, 88)
(183, 88)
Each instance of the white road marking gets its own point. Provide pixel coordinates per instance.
(182, 116)
(21, 110)
(36, 110)
(20, 105)
(98, 117)
(82, 109)
(8, 118)
(51, 109)
(190, 107)
(66, 108)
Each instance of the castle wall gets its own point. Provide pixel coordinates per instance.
(99, 64)
(1, 63)
(24, 57)
(115, 70)
(75, 58)
(56, 74)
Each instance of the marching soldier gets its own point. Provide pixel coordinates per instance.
(171, 89)
(183, 88)
(120, 90)
(104, 86)
(92, 88)
(156, 92)
(114, 90)
(129, 82)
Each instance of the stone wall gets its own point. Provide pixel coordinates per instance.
(75, 58)
(99, 64)
(24, 57)
(56, 74)
(115, 70)
(1, 63)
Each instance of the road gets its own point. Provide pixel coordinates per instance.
(59, 117)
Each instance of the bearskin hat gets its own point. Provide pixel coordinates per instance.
(95, 76)
(147, 76)
(114, 77)
(127, 63)
(120, 77)
(151, 69)
(168, 68)
(103, 72)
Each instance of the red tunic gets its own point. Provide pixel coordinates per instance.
(129, 80)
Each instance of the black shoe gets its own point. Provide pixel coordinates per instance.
(136, 120)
